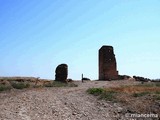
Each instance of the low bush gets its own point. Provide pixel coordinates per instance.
(59, 84)
(140, 98)
(62, 84)
(140, 94)
(20, 85)
(50, 84)
(109, 96)
(157, 84)
(95, 91)
(157, 97)
(4, 87)
(157, 92)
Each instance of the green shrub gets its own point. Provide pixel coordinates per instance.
(59, 84)
(109, 95)
(62, 84)
(4, 87)
(157, 92)
(157, 84)
(95, 91)
(140, 94)
(20, 85)
(157, 97)
(103, 94)
(72, 85)
(50, 84)
(37, 86)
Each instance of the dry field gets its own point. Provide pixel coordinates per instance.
(59, 102)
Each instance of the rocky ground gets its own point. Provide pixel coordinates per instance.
(61, 103)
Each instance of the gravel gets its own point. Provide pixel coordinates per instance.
(59, 103)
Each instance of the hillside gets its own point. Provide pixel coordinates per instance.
(66, 103)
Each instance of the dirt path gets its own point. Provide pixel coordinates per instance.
(57, 104)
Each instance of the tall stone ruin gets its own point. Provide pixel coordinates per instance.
(107, 64)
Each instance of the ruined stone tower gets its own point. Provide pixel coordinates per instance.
(107, 64)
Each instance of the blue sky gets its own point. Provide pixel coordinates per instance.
(36, 36)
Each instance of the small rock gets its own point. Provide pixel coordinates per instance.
(119, 110)
(74, 113)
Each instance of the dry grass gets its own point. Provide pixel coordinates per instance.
(134, 89)
(6, 83)
(141, 98)
(18, 81)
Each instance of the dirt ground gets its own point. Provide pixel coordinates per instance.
(60, 103)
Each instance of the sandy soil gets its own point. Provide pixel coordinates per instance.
(66, 103)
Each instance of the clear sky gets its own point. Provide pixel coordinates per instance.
(37, 35)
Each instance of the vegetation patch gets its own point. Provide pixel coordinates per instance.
(62, 84)
(140, 94)
(95, 91)
(4, 87)
(108, 95)
(50, 84)
(20, 85)
(7, 84)
(141, 98)
(157, 97)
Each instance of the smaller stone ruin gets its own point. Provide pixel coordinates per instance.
(61, 73)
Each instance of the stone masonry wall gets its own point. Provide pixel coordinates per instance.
(107, 63)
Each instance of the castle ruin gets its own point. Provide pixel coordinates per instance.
(107, 64)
